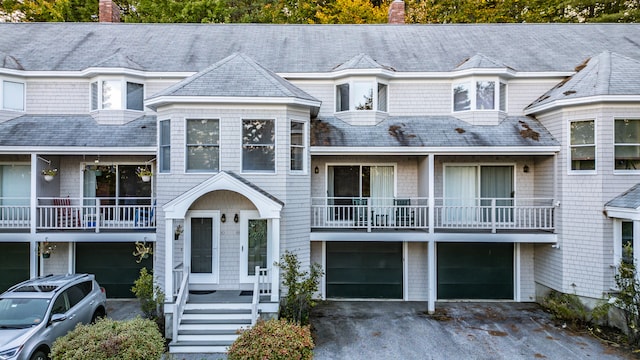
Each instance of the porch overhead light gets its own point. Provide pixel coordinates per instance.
(525, 168)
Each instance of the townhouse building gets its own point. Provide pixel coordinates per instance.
(412, 162)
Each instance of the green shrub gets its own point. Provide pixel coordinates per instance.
(150, 295)
(566, 307)
(301, 285)
(627, 298)
(137, 339)
(274, 340)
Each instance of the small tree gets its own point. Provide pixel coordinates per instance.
(150, 295)
(627, 298)
(301, 285)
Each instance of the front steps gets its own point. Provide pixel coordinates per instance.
(210, 327)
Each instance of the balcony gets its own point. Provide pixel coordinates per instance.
(89, 214)
(478, 214)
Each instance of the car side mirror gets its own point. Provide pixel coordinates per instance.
(58, 318)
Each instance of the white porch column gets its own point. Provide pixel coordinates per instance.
(431, 194)
(431, 249)
(431, 259)
(275, 256)
(636, 245)
(33, 202)
(168, 258)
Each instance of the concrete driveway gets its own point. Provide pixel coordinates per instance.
(402, 330)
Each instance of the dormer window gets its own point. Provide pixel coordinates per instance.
(361, 95)
(117, 94)
(479, 95)
(12, 95)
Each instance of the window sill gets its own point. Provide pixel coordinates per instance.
(362, 117)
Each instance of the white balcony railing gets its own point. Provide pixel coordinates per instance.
(15, 213)
(412, 213)
(95, 213)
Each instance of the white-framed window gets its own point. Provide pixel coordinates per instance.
(479, 94)
(582, 143)
(164, 146)
(13, 97)
(298, 143)
(258, 145)
(117, 94)
(203, 145)
(361, 95)
(623, 239)
(627, 144)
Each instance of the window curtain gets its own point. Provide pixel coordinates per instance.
(382, 185)
(16, 184)
(460, 193)
(89, 187)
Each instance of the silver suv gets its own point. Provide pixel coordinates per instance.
(34, 313)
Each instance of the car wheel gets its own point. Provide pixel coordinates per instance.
(39, 355)
(99, 314)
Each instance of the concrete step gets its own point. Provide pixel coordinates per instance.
(232, 327)
(204, 337)
(217, 311)
(212, 306)
(199, 346)
(216, 317)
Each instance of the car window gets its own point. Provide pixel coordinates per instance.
(19, 313)
(61, 305)
(75, 295)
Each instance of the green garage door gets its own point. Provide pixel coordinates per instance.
(14, 264)
(475, 271)
(364, 270)
(113, 264)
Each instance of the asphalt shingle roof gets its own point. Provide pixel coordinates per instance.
(236, 76)
(76, 130)
(630, 199)
(479, 61)
(605, 74)
(311, 48)
(361, 61)
(430, 131)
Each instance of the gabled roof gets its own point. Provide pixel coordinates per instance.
(313, 48)
(630, 199)
(234, 76)
(76, 130)
(430, 131)
(361, 62)
(479, 61)
(607, 74)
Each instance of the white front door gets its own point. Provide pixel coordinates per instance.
(202, 229)
(255, 238)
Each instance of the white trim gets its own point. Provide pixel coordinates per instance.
(275, 147)
(323, 280)
(570, 171)
(178, 207)
(473, 80)
(185, 148)
(159, 101)
(431, 277)
(587, 100)
(419, 150)
(615, 145)
(405, 271)
(622, 213)
(617, 242)
(214, 215)
(245, 216)
(305, 146)
(517, 273)
(75, 150)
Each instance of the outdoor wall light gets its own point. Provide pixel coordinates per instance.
(235, 218)
(223, 218)
(525, 168)
(316, 170)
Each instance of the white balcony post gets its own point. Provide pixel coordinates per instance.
(493, 215)
(275, 256)
(431, 200)
(168, 258)
(97, 215)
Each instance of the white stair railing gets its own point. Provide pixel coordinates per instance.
(180, 303)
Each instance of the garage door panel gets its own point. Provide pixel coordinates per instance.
(14, 264)
(475, 271)
(364, 270)
(113, 264)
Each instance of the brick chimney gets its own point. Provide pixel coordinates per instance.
(108, 11)
(396, 12)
